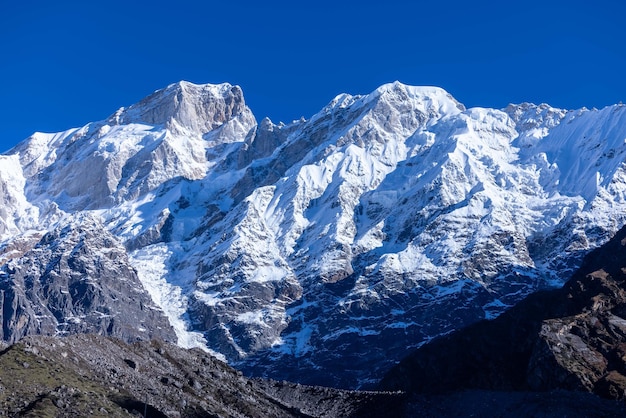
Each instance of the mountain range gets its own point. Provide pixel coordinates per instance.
(556, 353)
(321, 251)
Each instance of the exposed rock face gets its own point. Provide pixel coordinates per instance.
(89, 375)
(572, 338)
(195, 108)
(174, 134)
(77, 279)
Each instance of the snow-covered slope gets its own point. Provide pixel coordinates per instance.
(324, 249)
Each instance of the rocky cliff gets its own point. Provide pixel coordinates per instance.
(77, 279)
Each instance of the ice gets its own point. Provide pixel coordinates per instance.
(151, 264)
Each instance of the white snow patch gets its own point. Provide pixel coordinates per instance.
(267, 274)
(253, 317)
(208, 298)
(494, 309)
(151, 265)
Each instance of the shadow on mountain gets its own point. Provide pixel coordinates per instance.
(135, 407)
(553, 342)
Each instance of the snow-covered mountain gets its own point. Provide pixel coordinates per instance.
(323, 250)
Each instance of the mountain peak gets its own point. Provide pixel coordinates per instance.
(419, 93)
(199, 108)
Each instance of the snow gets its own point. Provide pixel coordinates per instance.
(403, 190)
(40, 150)
(16, 212)
(494, 308)
(266, 274)
(151, 265)
(208, 298)
(297, 343)
(361, 332)
(254, 317)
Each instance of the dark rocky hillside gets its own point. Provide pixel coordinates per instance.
(569, 339)
(90, 375)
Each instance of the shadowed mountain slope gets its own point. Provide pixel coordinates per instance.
(573, 338)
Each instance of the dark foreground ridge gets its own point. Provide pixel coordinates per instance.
(90, 375)
(555, 345)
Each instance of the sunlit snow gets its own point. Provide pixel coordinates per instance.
(302, 231)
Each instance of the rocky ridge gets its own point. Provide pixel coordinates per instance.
(90, 375)
(77, 279)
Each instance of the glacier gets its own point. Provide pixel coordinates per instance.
(324, 249)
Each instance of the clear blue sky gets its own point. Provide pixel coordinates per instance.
(65, 63)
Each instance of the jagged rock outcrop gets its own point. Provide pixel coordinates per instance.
(77, 279)
(573, 338)
(190, 107)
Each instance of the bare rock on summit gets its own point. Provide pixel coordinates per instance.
(198, 108)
